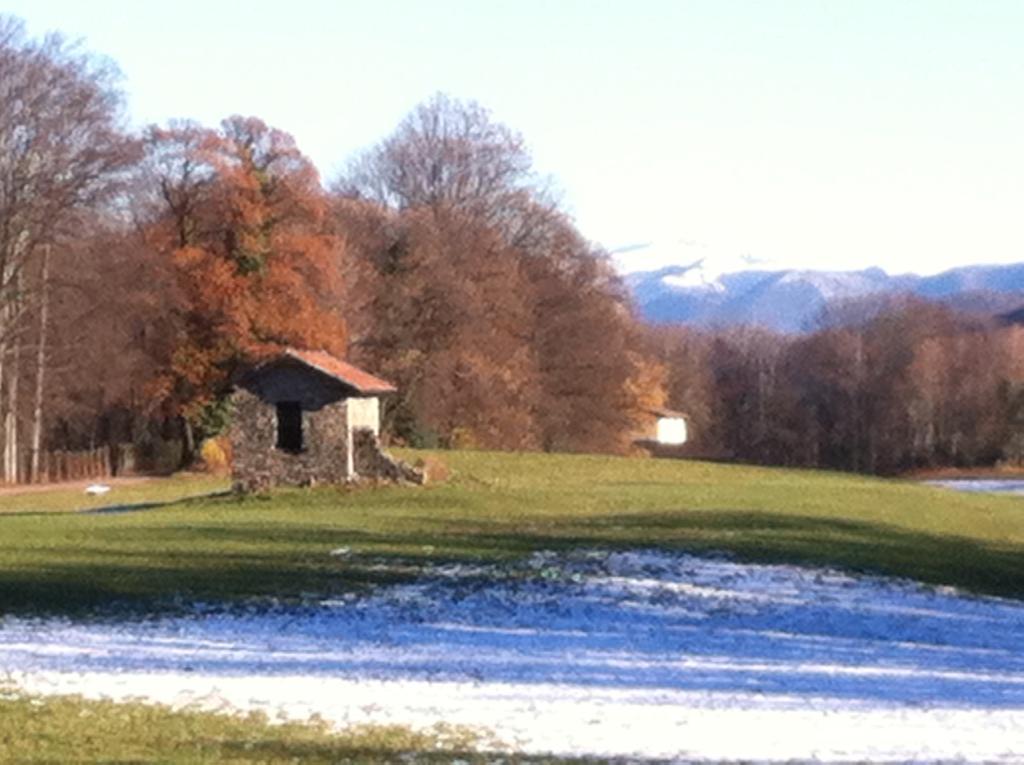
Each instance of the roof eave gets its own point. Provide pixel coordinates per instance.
(377, 390)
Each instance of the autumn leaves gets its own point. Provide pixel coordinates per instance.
(177, 254)
(241, 215)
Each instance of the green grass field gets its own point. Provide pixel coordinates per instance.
(69, 730)
(170, 549)
(495, 507)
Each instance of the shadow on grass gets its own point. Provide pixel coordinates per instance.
(116, 509)
(857, 546)
(153, 569)
(133, 507)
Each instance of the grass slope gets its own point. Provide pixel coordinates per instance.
(69, 729)
(499, 506)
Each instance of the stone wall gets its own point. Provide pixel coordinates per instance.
(257, 462)
(372, 462)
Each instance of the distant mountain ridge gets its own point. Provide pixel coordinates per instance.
(791, 300)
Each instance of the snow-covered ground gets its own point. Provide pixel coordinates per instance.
(641, 654)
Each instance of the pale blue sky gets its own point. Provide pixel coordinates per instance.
(816, 134)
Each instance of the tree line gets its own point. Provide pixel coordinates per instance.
(139, 270)
(881, 386)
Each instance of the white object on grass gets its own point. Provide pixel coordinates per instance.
(96, 489)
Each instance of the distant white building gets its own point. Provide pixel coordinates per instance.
(664, 433)
(670, 427)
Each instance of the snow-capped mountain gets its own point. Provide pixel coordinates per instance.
(790, 300)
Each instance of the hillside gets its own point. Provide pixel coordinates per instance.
(498, 507)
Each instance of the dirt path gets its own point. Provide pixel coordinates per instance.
(36, 488)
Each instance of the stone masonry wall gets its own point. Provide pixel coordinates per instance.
(257, 462)
(371, 461)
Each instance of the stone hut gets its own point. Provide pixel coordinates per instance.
(305, 417)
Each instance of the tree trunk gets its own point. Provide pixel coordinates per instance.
(37, 409)
(11, 419)
(3, 385)
(188, 450)
(5, 329)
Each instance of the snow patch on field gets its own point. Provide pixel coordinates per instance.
(982, 485)
(640, 654)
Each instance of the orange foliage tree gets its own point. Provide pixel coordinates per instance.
(241, 214)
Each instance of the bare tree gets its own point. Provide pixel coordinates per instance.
(504, 326)
(452, 154)
(41, 339)
(62, 155)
